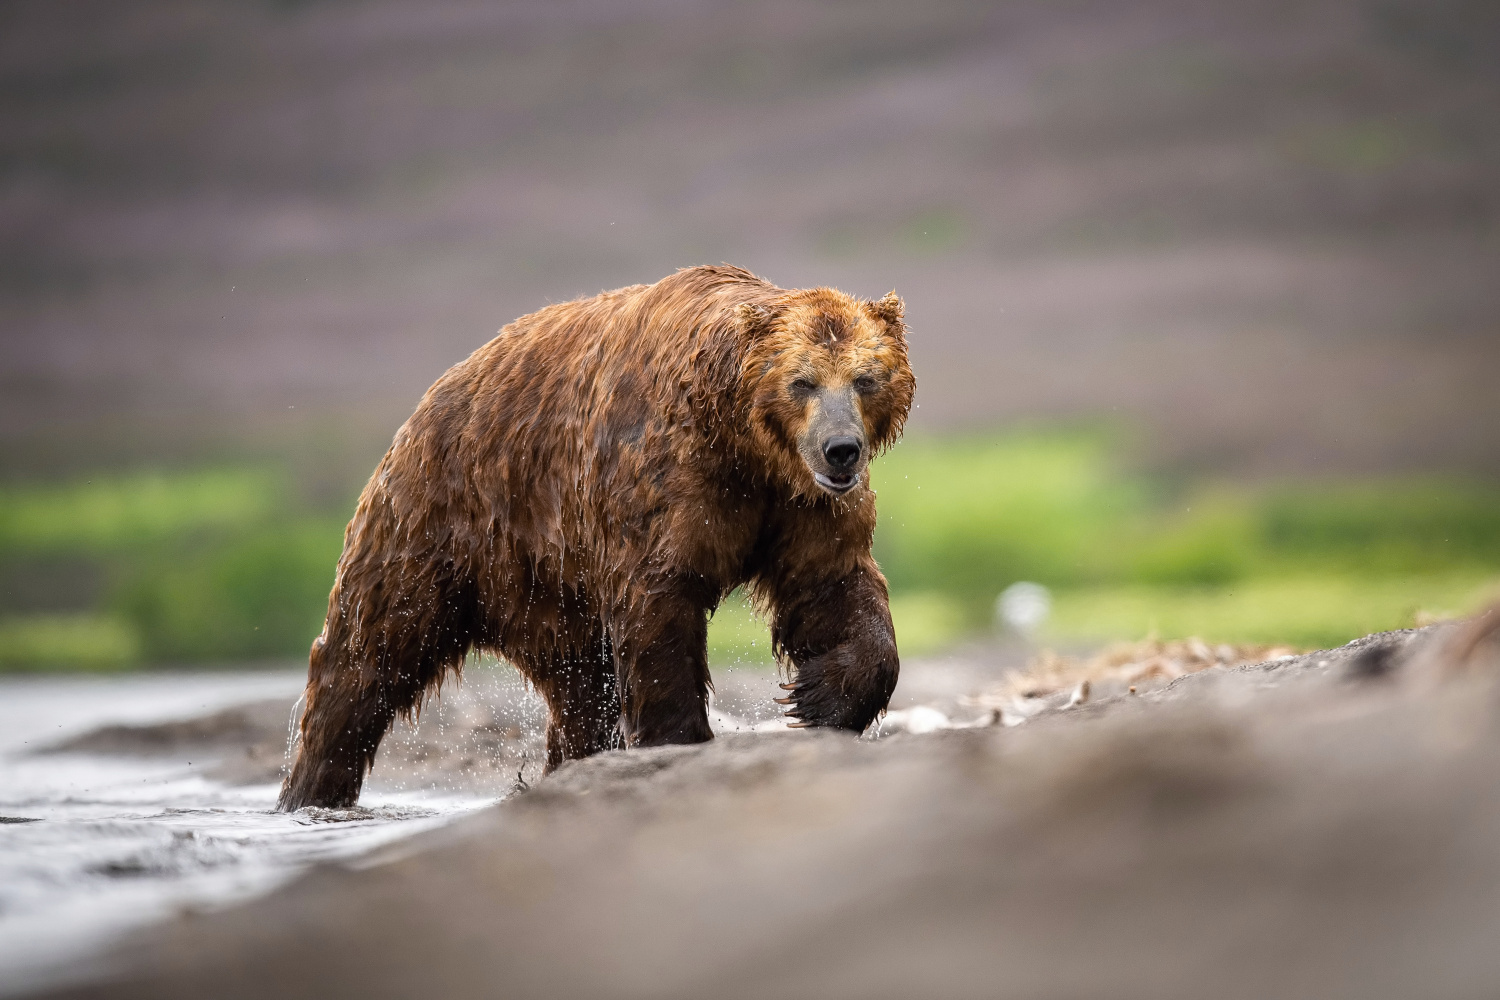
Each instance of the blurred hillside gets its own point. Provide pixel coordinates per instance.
(1221, 275)
(1264, 233)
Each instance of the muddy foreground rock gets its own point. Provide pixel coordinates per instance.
(1305, 827)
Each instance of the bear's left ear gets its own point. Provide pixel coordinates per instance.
(890, 309)
(753, 317)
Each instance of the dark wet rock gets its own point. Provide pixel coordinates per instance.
(231, 729)
(244, 745)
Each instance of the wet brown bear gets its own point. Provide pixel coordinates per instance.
(580, 493)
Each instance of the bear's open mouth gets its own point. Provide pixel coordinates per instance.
(838, 483)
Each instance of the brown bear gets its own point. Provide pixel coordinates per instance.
(581, 492)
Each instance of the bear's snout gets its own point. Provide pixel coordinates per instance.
(842, 453)
(834, 445)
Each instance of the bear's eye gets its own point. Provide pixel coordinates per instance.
(802, 387)
(866, 384)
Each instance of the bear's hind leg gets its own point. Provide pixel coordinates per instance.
(343, 720)
(360, 677)
(664, 670)
(583, 701)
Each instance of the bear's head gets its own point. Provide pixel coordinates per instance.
(826, 383)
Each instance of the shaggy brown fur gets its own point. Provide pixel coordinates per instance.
(580, 493)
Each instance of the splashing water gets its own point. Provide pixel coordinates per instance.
(93, 844)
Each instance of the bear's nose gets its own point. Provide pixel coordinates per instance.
(841, 452)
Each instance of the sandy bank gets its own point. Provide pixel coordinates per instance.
(1316, 826)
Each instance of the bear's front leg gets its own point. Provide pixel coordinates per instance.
(838, 635)
(662, 653)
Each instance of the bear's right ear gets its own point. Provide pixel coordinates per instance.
(890, 308)
(753, 318)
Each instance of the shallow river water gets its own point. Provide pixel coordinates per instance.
(93, 845)
(126, 828)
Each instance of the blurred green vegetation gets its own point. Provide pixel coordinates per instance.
(1310, 611)
(1127, 554)
(218, 564)
(67, 641)
(736, 637)
(234, 563)
(118, 513)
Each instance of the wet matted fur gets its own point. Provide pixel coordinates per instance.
(579, 494)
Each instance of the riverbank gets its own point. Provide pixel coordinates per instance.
(1321, 825)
